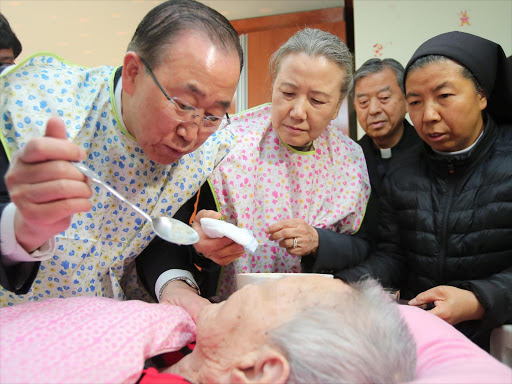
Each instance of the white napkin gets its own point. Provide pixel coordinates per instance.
(218, 228)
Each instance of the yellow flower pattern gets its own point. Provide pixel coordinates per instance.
(262, 181)
(95, 254)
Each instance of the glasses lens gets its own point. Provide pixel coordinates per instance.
(184, 110)
(211, 121)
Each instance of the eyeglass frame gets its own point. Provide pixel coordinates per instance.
(183, 102)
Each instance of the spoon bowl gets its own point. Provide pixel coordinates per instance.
(174, 231)
(167, 228)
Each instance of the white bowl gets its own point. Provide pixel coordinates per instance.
(242, 279)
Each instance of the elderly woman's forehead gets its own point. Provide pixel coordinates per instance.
(313, 284)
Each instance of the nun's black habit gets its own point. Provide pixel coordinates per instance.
(447, 220)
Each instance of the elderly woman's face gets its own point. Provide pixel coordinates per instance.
(444, 106)
(230, 334)
(305, 97)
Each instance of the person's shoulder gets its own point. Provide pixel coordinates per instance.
(410, 132)
(505, 132)
(368, 148)
(503, 144)
(365, 141)
(251, 122)
(406, 167)
(349, 145)
(408, 157)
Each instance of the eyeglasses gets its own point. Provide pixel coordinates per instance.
(186, 112)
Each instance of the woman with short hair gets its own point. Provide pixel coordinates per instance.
(293, 178)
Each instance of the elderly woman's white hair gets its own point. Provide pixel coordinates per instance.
(314, 43)
(361, 340)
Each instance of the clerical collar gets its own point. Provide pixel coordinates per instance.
(385, 153)
(465, 150)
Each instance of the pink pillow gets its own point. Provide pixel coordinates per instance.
(87, 339)
(444, 355)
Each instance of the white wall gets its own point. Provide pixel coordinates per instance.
(397, 28)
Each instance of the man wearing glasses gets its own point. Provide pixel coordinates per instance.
(149, 128)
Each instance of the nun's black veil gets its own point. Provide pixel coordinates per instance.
(484, 59)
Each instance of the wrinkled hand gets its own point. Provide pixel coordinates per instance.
(286, 230)
(453, 305)
(222, 250)
(46, 187)
(181, 294)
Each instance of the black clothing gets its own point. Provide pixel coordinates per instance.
(161, 255)
(19, 277)
(379, 167)
(448, 221)
(336, 251)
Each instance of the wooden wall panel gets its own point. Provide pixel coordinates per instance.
(266, 23)
(266, 34)
(261, 45)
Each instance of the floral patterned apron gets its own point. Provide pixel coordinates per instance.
(262, 181)
(99, 247)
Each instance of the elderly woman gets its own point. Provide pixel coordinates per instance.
(293, 176)
(446, 237)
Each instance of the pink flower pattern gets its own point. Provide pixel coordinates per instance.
(262, 181)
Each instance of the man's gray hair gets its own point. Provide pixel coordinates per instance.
(314, 43)
(377, 65)
(362, 339)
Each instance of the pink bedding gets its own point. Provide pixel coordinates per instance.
(98, 340)
(87, 339)
(444, 355)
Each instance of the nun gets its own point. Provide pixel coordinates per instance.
(445, 235)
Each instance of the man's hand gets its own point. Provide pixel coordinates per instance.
(222, 250)
(181, 294)
(453, 305)
(286, 230)
(46, 187)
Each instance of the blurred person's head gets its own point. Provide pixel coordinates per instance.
(379, 100)
(10, 46)
(179, 77)
(450, 81)
(311, 75)
(270, 333)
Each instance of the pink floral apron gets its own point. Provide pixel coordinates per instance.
(263, 180)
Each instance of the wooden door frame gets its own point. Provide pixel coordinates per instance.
(265, 23)
(336, 14)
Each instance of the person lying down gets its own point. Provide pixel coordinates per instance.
(306, 329)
